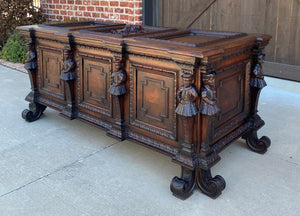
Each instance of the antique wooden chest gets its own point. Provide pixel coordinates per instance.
(186, 93)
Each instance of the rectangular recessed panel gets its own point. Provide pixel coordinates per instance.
(153, 98)
(96, 83)
(51, 71)
(154, 102)
(230, 94)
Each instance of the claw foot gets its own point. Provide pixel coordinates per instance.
(34, 113)
(212, 187)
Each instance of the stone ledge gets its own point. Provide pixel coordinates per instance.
(16, 66)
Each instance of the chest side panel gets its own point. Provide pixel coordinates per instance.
(153, 99)
(232, 89)
(51, 61)
(94, 82)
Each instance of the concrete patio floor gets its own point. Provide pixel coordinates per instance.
(59, 167)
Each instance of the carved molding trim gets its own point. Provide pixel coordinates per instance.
(94, 109)
(50, 48)
(45, 101)
(147, 55)
(254, 122)
(47, 92)
(207, 161)
(153, 143)
(238, 54)
(50, 103)
(94, 120)
(230, 126)
(185, 68)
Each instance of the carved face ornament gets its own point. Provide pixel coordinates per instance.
(188, 80)
(261, 58)
(209, 79)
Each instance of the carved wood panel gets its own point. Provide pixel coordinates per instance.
(95, 81)
(51, 71)
(153, 100)
(230, 94)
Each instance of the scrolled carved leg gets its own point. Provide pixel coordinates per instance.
(34, 113)
(257, 145)
(210, 186)
(183, 187)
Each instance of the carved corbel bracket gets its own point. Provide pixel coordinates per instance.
(257, 81)
(186, 110)
(118, 51)
(31, 65)
(68, 76)
(185, 68)
(208, 105)
(35, 109)
(208, 109)
(257, 77)
(68, 68)
(117, 55)
(118, 90)
(203, 65)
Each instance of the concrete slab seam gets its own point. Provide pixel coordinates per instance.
(60, 169)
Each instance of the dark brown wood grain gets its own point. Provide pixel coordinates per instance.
(185, 93)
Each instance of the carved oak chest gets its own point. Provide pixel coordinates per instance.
(186, 93)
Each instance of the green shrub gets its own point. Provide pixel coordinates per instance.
(15, 13)
(15, 48)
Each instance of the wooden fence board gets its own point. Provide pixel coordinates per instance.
(279, 18)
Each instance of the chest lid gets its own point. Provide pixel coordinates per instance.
(192, 38)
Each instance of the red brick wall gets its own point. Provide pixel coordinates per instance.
(120, 11)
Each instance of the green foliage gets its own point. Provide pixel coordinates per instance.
(14, 49)
(15, 13)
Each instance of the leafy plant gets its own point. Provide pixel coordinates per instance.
(15, 48)
(15, 13)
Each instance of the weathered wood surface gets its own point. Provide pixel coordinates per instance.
(279, 18)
